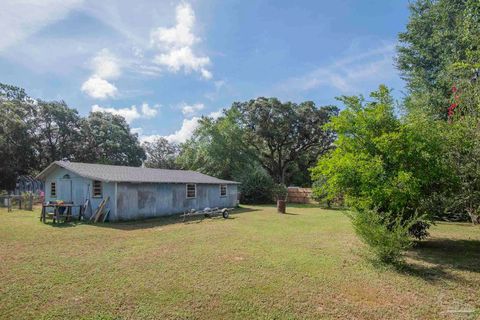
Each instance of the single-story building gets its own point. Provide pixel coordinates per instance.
(134, 192)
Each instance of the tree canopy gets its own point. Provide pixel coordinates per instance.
(33, 133)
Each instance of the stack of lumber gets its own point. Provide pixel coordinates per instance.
(299, 195)
(101, 214)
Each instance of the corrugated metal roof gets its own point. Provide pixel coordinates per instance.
(133, 174)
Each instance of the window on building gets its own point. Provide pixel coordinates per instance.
(53, 190)
(191, 190)
(97, 189)
(223, 190)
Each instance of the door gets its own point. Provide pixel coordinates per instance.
(64, 190)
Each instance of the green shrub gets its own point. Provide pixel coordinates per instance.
(256, 187)
(387, 238)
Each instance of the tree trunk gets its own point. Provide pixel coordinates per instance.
(281, 206)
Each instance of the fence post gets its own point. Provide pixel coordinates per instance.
(31, 201)
(9, 204)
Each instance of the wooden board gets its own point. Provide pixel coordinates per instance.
(100, 209)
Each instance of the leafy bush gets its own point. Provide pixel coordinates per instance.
(256, 187)
(386, 240)
(280, 191)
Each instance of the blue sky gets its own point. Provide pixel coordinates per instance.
(163, 64)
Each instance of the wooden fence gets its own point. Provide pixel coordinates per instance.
(299, 195)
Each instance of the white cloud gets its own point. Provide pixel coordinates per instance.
(189, 110)
(138, 131)
(105, 65)
(149, 138)
(175, 45)
(216, 114)
(130, 114)
(181, 34)
(21, 19)
(206, 74)
(177, 59)
(149, 112)
(349, 74)
(185, 131)
(99, 88)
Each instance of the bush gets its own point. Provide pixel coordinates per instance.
(387, 240)
(256, 187)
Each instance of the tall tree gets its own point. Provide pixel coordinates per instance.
(17, 152)
(281, 133)
(440, 33)
(161, 154)
(218, 147)
(57, 131)
(106, 138)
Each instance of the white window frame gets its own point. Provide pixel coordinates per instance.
(186, 190)
(93, 189)
(53, 184)
(226, 190)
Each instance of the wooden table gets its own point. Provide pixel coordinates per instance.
(67, 215)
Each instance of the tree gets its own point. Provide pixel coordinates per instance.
(281, 133)
(106, 138)
(382, 162)
(57, 131)
(17, 116)
(439, 34)
(218, 147)
(161, 154)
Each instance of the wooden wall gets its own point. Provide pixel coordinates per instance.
(299, 195)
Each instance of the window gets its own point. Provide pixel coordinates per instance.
(191, 190)
(53, 190)
(223, 190)
(97, 189)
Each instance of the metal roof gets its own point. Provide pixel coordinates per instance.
(111, 173)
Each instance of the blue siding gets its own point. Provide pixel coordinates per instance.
(132, 201)
(138, 201)
(81, 189)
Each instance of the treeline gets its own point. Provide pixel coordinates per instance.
(260, 142)
(34, 133)
(402, 168)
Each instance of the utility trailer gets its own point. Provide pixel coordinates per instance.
(207, 213)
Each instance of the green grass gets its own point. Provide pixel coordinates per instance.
(257, 264)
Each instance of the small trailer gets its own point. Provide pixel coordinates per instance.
(207, 213)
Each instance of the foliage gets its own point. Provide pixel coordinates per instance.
(462, 199)
(380, 161)
(256, 186)
(33, 133)
(280, 191)
(161, 154)
(285, 139)
(385, 166)
(107, 139)
(281, 133)
(17, 118)
(57, 132)
(387, 237)
(439, 34)
(218, 148)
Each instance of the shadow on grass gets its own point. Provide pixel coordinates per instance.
(438, 257)
(290, 213)
(167, 220)
(459, 254)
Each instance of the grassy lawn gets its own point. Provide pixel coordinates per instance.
(257, 264)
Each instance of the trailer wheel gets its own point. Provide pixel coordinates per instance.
(225, 213)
